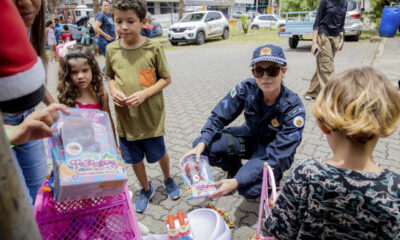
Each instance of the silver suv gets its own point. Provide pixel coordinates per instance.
(352, 24)
(199, 26)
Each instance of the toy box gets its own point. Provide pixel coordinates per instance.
(85, 160)
(197, 177)
(178, 227)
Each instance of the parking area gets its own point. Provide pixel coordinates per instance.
(201, 76)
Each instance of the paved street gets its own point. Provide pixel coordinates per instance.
(202, 75)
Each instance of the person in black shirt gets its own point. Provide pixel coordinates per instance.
(328, 37)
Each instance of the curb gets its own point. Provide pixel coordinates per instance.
(378, 51)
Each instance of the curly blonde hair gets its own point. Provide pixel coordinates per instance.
(67, 92)
(360, 103)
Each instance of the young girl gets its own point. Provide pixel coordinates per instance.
(80, 81)
(347, 196)
(51, 39)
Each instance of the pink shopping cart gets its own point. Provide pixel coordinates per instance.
(105, 218)
(267, 200)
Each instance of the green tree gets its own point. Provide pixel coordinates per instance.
(377, 6)
(299, 5)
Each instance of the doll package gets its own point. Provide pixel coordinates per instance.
(197, 177)
(85, 159)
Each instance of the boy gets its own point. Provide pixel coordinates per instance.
(138, 72)
(66, 35)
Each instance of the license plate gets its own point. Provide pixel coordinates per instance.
(285, 34)
(178, 35)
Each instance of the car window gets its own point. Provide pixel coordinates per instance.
(351, 5)
(194, 17)
(263, 18)
(214, 16)
(270, 18)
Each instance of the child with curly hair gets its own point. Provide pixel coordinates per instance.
(347, 196)
(81, 83)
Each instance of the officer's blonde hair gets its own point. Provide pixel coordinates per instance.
(360, 103)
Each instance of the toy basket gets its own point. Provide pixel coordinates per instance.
(105, 218)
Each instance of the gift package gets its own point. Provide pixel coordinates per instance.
(85, 159)
(197, 177)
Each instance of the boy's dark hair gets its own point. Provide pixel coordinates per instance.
(138, 6)
(66, 27)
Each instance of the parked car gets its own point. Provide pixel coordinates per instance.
(352, 24)
(238, 14)
(267, 21)
(199, 26)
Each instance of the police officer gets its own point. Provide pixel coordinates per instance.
(274, 122)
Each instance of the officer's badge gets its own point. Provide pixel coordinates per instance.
(274, 122)
(298, 121)
(233, 92)
(265, 51)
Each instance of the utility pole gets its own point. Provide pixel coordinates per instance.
(256, 5)
(180, 9)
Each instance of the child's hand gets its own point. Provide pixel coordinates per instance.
(136, 99)
(118, 96)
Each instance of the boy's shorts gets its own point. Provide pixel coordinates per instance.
(134, 151)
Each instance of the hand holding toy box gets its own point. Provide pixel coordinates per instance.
(197, 177)
(85, 159)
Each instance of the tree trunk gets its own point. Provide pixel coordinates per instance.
(16, 218)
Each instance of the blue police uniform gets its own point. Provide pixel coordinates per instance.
(269, 134)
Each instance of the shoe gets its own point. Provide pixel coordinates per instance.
(143, 200)
(307, 97)
(172, 189)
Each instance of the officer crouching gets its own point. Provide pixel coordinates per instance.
(274, 122)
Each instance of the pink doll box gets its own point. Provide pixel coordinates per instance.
(197, 177)
(105, 218)
(85, 159)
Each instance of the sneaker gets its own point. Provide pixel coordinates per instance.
(143, 200)
(172, 189)
(307, 97)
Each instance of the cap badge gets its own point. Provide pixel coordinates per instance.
(265, 51)
(274, 122)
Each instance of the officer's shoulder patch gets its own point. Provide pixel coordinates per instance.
(296, 111)
(233, 92)
(298, 121)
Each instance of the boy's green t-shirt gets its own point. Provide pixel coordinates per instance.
(135, 70)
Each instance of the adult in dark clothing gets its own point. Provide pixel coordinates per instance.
(104, 27)
(272, 131)
(328, 38)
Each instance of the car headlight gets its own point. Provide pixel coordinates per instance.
(191, 28)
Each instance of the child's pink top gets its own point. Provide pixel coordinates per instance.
(90, 106)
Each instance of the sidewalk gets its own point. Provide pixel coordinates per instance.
(387, 58)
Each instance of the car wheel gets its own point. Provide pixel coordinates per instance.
(293, 42)
(173, 43)
(356, 38)
(225, 34)
(255, 27)
(200, 39)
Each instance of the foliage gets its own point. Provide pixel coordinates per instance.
(377, 6)
(300, 5)
(245, 23)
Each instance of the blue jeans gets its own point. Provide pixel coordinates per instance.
(31, 158)
(102, 44)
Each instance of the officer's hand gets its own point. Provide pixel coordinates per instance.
(227, 186)
(198, 150)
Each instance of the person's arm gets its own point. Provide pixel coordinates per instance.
(117, 95)
(98, 30)
(46, 31)
(279, 152)
(48, 99)
(139, 97)
(316, 26)
(35, 126)
(341, 38)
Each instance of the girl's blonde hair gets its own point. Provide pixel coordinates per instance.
(360, 103)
